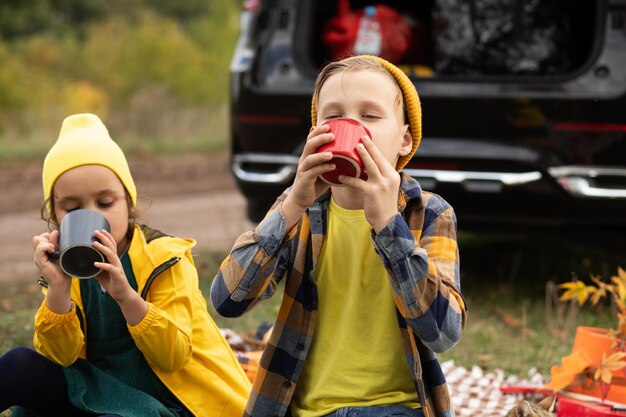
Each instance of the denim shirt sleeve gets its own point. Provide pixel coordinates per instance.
(424, 276)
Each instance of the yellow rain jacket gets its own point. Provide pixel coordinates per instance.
(180, 341)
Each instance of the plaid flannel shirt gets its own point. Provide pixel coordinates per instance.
(420, 253)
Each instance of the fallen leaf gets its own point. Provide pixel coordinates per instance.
(610, 365)
(512, 321)
(6, 305)
(530, 332)
(484, 357)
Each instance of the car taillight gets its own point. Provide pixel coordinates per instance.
(591, 127)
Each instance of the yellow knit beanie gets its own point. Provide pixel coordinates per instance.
(411, 104)
(84, 140)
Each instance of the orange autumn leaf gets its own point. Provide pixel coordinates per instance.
(6, 305)
(511, 320)
(621, 273)
(610, 365)
(600, 292)
(619, 281)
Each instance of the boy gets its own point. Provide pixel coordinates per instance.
(372, 272)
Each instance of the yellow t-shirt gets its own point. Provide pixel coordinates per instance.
(356, 357)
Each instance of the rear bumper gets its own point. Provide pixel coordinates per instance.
(581, 182)
(577, 181)
(557, 196)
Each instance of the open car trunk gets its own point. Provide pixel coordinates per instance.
(523, 101)
(468, 38)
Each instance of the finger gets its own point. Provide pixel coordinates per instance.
(315, 160)
(109, 253)
(44, 237)
(36, 241)
(374, 153)
(107, 267)
(378, 157)
(54, 237)
(43, 254)
(106, 250)
(44, 248)
(318, 130)
(353, 182)
(315, 172)
(368, 162)
(313, 143)
(106, 239)
(108, 235)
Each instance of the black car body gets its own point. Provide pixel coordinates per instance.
(506, 147)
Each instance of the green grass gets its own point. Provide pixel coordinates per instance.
(265, 311)
(514, 322)
(167, 130)
(18, 304)
(517, 333)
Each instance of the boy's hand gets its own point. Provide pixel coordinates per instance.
(380, 191)
(307, 185)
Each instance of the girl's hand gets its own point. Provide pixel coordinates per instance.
(58, 298)
(307, 185)
(43, 246)
(112, 278)
(380, 191)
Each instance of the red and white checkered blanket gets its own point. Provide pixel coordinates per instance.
(475, 392)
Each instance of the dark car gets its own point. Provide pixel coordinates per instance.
(524, 104)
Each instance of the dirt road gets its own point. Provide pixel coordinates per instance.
(189, 196)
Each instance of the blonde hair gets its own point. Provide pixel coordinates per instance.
(407, 99)
(358, 63)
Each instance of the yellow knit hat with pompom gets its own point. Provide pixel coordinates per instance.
(84, 140)
(411, 104)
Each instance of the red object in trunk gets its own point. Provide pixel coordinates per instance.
(340, 32)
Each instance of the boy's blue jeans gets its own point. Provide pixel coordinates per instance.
(378, 411)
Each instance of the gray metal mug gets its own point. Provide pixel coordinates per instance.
(76, 238)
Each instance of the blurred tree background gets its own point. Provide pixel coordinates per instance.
(155, 71)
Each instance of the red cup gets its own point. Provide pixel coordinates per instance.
(348, 134)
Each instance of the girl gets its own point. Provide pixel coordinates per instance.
(135, 341)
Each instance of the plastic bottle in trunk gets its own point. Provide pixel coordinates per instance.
(368, 38)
